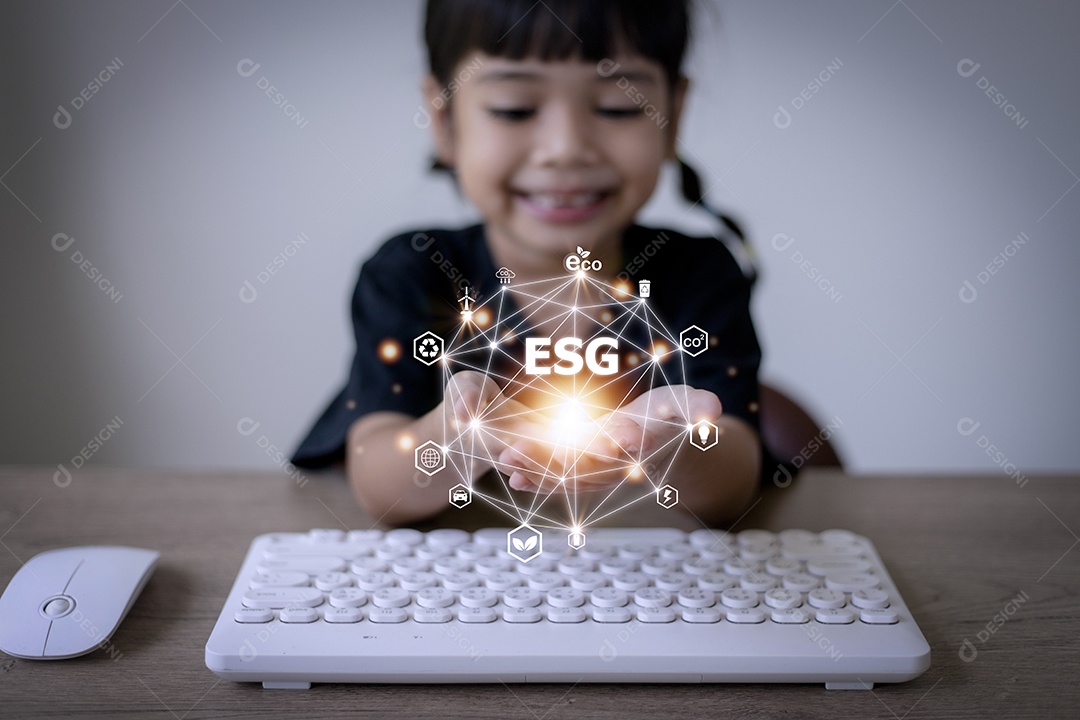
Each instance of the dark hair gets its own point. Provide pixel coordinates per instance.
(592, 30)
(556, 30)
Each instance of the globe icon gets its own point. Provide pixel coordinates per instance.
(429, 458)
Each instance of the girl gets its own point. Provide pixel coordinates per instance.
(555, 120)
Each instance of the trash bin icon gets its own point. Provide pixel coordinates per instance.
(644, 288)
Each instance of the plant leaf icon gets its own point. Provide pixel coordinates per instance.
(518, 545)
(530, 543)
(583, 252)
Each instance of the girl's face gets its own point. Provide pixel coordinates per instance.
(556, 154)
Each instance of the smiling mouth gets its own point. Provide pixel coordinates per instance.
(564, 200)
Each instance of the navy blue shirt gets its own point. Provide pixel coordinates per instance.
(413, 284)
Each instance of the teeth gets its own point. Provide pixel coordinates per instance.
(563, 200)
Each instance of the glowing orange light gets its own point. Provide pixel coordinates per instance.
(389, 350)
(622, 288)
(660, 351)
(482, 317)
(405, 442)
(606, 317)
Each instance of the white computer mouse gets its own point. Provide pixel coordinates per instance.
(65, 603)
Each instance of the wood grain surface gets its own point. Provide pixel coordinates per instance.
(959, 548)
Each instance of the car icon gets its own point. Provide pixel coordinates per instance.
(460, 496)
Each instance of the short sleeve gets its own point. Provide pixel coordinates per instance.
(392, 304)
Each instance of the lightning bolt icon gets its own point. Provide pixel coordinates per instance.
(667, 494)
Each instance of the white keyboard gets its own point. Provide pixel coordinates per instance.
(631, 605)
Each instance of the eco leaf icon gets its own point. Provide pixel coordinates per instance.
(530, 543)
(518, 545)
(583, 252)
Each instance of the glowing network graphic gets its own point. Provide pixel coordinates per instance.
(571, 355)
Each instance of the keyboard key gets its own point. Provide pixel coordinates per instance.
(473, 551)
(331, 534)
(435, 597)
(756, 537)
(696, 598)
(635, 551)
(359, 536)
(432, 615)
(368, 564)
(796, 536)
(611, 614)
(835, 616)
(404, 536)
(740, 567)
(299, 614)
(701, 566)
(746, 616)
(332, 581)
(588, 581)
(652, 597)
(617, 565)
(567, 614)
(310, 564)
(343, 615)
(845, 536)
(716, 581)
(870, 598)
(535, 566)
(289, 578)
(677, 551)
(719, 553)
(827, 565)
(253, 615)
(391, 551)
(460, 581)
(388, 615)
(757, 583)
(491, 565)
(451, 537)
(418, 581)
(391, 597)
(576, 565)
(608, 597)
(800, 582)
(630, 581)
(277, 598)
(502, 580)
(521, 614)
(409, 564)
(659, 566)
(565, 597)
(700, 615)
(655, 614)
(521, 597)
(596, 551)
(783, 599)
(477, 615)
(433, 552)
(758, 552)
(825, 598)
(348, 597)
(703, 539)
(451, 565)
(879, 616)
(546, 581)
(850, 582)
(790, 616)
(477, 597)
(490, 537)
(739, 598)
(374, 580)
(673, 581)
(781, 566)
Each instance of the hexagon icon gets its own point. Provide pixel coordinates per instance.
(704, 435)
(576, 540)
(694, 341)
(667, 496)
(460, 496)
(428, 348)
(524, 543)
(429, 458)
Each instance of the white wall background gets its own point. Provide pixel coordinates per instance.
(180, 180)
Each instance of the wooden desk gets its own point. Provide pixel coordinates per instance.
(961, 549)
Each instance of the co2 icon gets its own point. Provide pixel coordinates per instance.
(694, 341)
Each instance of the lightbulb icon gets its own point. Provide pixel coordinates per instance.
(704, 435)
